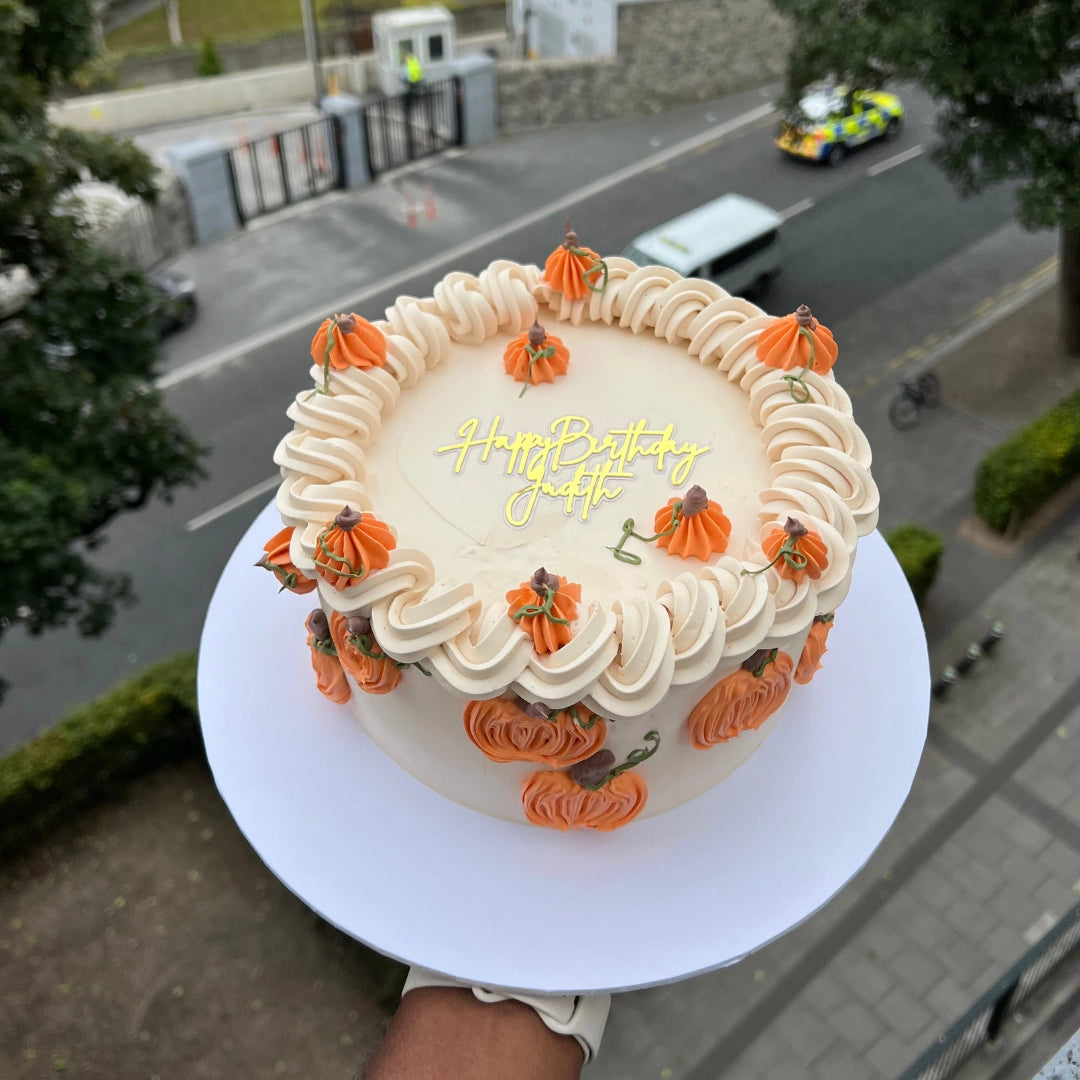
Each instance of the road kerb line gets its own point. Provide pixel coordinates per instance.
(229, 505)
(983, 316)
(896, 159)
(357, 297)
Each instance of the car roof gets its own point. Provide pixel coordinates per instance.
(695, 238)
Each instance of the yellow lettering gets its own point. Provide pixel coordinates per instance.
(543, 460)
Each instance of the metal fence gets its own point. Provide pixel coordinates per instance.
(285, 167)
(404, 127)
(983, 1021)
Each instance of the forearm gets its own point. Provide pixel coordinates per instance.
(439, 1033)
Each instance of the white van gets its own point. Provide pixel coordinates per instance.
(732, 240)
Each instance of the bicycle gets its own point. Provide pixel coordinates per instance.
(921, 392)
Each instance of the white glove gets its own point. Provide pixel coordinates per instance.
(582, 1016)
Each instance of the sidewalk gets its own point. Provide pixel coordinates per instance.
(148, 940)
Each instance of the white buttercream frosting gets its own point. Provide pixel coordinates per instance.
(371, 441)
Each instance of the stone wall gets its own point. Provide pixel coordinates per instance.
(670, 52)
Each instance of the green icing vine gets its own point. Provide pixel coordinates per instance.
(545, 353)
(635, 757)
(541, 609)
(628, 531)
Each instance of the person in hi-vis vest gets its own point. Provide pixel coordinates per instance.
(412, 75)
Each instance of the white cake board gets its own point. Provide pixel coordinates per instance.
(427, 881)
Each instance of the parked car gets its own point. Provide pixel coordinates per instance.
(733, 240)
(831, 119)
(176, 305)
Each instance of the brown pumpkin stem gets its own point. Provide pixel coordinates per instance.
(357, 624)
(757, 662)
(570, 240)
(804, 317)
(319, 625)
(825, 618)
(537, 710)
(542, 581)
(694, 501)
(348, 519)
(593, 771)
(537, 335)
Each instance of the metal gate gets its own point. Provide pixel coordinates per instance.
(405, 127)
(275, 170)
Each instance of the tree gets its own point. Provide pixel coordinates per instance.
(83, 432)
(1006, 78)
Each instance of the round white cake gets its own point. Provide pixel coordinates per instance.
(574, 532)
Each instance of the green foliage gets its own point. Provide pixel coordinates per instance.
(208, 62)
(83, 432)
(1018, 476)
(919, 553)
(127, 732)
(97, 75)
(1003, 74)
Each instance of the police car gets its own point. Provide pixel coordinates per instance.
(832, 119)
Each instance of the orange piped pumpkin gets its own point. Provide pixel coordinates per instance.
(795, 341)
(742, 701)
(701, 528)
(573, 270)
(507, 730)
(345, 341)
(377, 674)
(544, 607)
(329, 674)
(351, 546)
(796, 551)
(814, 649)
(554, 800)
(535, 357)
(278, 560)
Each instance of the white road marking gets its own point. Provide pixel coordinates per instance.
(209, 363)
(797, 208)
(896, 159)
(229, 505)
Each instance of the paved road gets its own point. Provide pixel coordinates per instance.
(857, 236)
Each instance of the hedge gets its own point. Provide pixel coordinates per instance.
(1018, 476)
(919, 552)
(139, 725)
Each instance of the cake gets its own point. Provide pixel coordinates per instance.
(575, 536)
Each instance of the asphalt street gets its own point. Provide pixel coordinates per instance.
(881, 248)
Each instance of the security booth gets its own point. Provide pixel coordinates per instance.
(427, 33)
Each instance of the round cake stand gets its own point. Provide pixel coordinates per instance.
(427, 881)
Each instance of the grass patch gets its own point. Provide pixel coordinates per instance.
(239, 21)
(919, 552)
(134, 728)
